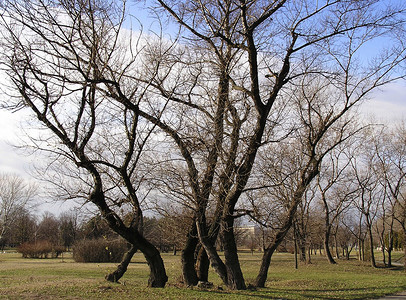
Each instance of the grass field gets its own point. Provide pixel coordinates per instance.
(62, 278)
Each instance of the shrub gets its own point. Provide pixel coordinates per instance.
(99, 250)
(40, 249)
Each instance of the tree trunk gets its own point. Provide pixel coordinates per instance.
(202, 265)
(295, 248)
(404, 244)
(302, 252)
(157, 276)
(336, 246)
(263, 271)
(266, 259)
(235, 278)
(122, 267)
(389, 258)
(346, 254)
(215, 260)
(371, 245)
(383, 254)
(360, 250)
(390, 247)
(268, 252)
(309, 255)
(188, 258)
(326, 245)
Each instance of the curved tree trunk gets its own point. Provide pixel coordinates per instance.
(122, 267)
(263, 271)
(157, 276)
(327, 246)
(268, 252)
(266, 259)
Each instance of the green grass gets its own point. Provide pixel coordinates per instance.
(64, 279)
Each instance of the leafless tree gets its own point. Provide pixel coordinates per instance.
(16, 195)
(335, 193)
(369, 193)
(390, 154)
(69, 227)
(216, 99)
(257, 49)
(57, 55)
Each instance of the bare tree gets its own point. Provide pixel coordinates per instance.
(335, 194)
(216, 98)
(390, 156)
(56, 55)
(48, 229)
(16, 195)
(254, 49)
(369, 194)
(69, 227)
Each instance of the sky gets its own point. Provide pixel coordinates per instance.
(387, 105)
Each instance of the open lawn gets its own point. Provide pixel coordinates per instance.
(62, 278)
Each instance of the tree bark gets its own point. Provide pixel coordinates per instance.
(360, 250)
(122, 267)
(295, 247)
(235, 278)
(390, 247)
(202, 265)
(327, 232)
(371, 245)
(263, 271)
(188, 258)
(327, 248)
(157, 276)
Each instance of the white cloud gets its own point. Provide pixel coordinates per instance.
(12, 160)
(387, 105)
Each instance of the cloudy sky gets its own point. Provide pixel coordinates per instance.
(388, 105)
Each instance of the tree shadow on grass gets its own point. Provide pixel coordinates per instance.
(282, 294)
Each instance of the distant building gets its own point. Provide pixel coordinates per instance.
(247, 237)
